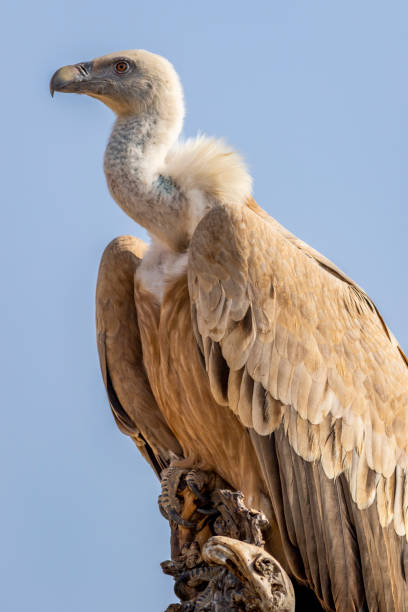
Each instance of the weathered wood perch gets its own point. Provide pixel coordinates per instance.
(218, 562)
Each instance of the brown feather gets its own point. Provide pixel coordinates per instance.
(120, 351)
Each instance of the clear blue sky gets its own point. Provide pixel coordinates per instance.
(314, 94)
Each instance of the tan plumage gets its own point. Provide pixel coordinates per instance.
(120, 353)
(315, 349)
(315, 339)
(236, 346)
(115, 282)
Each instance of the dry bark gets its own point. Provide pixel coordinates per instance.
(218, 562)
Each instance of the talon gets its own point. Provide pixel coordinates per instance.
(174, 479)
(195, 481)
(209, 511)
(194, 489)
(174, 516)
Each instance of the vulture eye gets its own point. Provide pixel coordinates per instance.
(121, 67)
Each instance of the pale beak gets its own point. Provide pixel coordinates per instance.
(71, 79)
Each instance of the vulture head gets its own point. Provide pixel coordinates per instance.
(129, 82)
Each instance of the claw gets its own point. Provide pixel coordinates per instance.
(194, 489)
(174, 516)
(169, 503)
(195, 481)
(209, 511)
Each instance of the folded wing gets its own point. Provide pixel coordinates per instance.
(301, 355)
(120, 352)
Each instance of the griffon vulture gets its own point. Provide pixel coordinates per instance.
(233, 345)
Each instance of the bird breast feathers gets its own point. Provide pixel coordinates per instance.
(207, 172)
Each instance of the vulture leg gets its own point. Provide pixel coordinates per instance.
(120, 352)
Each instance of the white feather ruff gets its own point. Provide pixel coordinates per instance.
(210, 166)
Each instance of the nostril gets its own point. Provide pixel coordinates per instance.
(83, 69)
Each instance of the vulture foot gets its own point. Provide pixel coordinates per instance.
(219, 563)
(174, 482)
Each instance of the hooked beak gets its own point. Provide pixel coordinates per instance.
(71, 79)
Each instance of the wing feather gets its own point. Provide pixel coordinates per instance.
(308, 355)
(120, 353)
(305, 335)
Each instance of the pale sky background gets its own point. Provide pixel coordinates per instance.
(314, 94)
